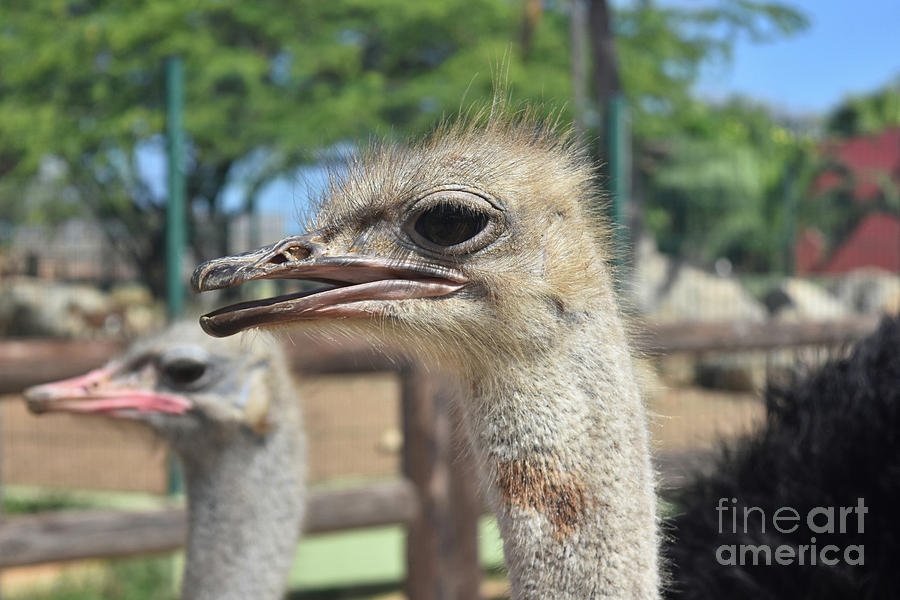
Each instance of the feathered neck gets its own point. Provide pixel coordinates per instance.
(562, 440)
(246, 498)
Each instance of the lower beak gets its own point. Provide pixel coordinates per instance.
(96, 393)
(352, 282)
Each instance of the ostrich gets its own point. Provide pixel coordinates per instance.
(477, 250)
(830, 439)
(228, 410)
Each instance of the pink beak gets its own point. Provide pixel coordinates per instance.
(96, 392)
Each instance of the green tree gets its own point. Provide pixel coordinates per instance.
(723, 187)
(868, 113)
(712, 177)
(268, 84)
(663, 50)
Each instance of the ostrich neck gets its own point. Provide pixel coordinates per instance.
(245, 501)
(562, 438)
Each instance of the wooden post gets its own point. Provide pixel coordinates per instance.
(442, 542)
(466, 507)
(422, 449)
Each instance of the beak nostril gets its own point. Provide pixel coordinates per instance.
(299, 252)
(290, 254)
(296, 252)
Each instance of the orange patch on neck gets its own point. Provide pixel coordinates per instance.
(559, 496)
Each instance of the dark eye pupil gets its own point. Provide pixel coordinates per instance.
(181, 372)
(449, 224)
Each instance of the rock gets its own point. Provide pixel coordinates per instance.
(801, 300)
(891, 306)
(139, 319)
(33, 307)
(699, 296)
(736, 372)
(131, 294)
(870, 291)
(649, 276)
(666, 291)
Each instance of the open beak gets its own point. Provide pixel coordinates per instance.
(352, 280)
(96, 392)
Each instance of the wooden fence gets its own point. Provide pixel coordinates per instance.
(436, 500)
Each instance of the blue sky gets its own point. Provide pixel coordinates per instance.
(850, 47)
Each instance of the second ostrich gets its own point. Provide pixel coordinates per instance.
(477, 250)
(829, 447)
(229, 411)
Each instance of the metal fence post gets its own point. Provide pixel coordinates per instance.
(619, 155)
(176, 235)
(175, 209)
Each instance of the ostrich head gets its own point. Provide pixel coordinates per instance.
(477, 241)
(185, 385)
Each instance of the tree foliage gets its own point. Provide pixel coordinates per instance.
(663, 50)
(714, 177)
(269, 84)
(868, 113)
(724, 186)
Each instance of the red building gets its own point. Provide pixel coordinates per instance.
(875, 241)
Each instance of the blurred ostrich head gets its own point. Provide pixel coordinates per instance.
(182, 383)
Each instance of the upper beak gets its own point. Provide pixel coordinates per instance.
(95, 392)
(355, 278)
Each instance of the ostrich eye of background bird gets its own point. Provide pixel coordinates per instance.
(447, 224)
(183, 371)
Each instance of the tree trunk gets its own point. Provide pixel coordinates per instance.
(577, 34)
(606, 80)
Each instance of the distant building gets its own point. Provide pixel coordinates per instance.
(76, 250)
(875, 242)
(868, 160)
(868, 163)
(82, 250)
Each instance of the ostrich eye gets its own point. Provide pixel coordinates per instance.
(447, 224)
(183, 371)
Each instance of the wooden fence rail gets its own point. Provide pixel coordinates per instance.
(71, 535)
(29, 362)
(735, 336)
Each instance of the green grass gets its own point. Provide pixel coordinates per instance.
(131, 579)
(370, 556)
(25, 505)
(23, 499)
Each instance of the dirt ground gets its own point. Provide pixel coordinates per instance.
(353, 425)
